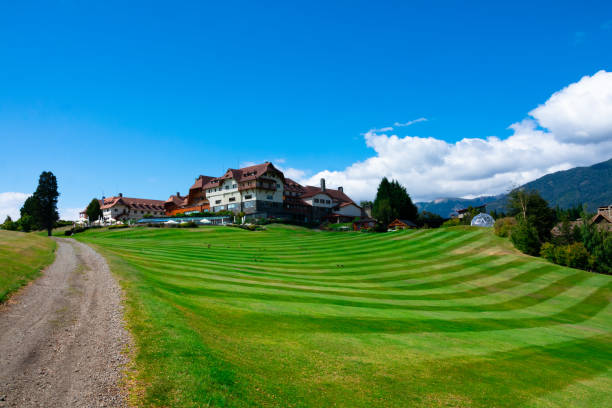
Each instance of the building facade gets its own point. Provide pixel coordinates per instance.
(119, 208)
(262, 191)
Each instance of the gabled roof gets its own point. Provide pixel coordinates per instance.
(600, 216)
(177, 200)
(251, 172)
(336, 195)
(243, 174)
(201, 182)
(135, 203)
(406, 222)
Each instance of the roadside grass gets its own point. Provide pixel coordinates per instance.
(290, 317)
(22, 258)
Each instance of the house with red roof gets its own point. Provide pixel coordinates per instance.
(120, 208)
(194, 201)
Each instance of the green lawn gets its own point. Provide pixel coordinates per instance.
(290, 317)
(22, 257)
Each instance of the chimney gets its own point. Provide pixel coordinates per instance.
(178, 194)
(340, 189)
(323, 184)
(120, 194)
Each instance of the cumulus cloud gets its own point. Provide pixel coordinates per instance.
(69, 214)
(580, 112)
(572, 128)
(10, 203)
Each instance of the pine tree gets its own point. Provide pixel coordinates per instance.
(46, 195)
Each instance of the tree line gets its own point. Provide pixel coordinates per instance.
(577, 244)
(39, 211)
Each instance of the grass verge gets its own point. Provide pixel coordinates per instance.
(22, 258)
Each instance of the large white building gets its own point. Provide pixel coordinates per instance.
(263, 191)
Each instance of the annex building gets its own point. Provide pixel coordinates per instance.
(120, 208)
(262, 191)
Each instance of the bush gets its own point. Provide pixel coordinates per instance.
(9, 224)
(118, 226)
(188, 224)
(503, 226)
(453, 222)
(574, 255)
(525, 238)
(577, 256)
(548, 252)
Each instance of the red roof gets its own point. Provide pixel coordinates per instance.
(336, 195)
(135, 203)
(201, 182)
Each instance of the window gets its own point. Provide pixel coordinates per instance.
(249, 204)
(277, 185)
(316, 200)
(232, 199)
(233, 186)
(328, 201)
(270, 197)
(248, 197)
(218, 202)
(232, 206)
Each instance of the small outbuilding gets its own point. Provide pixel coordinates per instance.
(401, 224)
(364, 223)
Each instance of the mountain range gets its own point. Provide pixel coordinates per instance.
(578, 186)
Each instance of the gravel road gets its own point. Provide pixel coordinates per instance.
(62, 340)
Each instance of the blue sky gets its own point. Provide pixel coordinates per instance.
(141, 99)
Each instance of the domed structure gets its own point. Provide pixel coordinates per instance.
(483, 220)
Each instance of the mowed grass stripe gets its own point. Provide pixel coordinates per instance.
(294, 317)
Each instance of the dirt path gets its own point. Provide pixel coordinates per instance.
(62, 339)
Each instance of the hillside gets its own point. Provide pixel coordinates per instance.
(581, 185)
(290, 317)
(22, 257)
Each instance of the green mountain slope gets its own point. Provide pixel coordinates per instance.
(581, 185)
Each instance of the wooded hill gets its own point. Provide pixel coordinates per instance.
(581, 185)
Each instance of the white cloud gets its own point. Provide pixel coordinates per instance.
(10, 203)
(410, 122)
(247, 164)
(295, 174)
(70, 214)
(580, 112)
(573, 128)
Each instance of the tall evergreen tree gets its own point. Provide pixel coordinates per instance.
(392, 201)
(93, 210)
(30, 214)
(46, 195)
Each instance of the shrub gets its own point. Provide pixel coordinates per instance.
(503, 226)
(453, 222)
(117, 226)
(525, 238)
(577, 256)
(548, 251)
(188, 224)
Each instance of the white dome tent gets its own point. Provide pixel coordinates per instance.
(483, 220)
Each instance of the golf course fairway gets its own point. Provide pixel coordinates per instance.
(291, 317)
